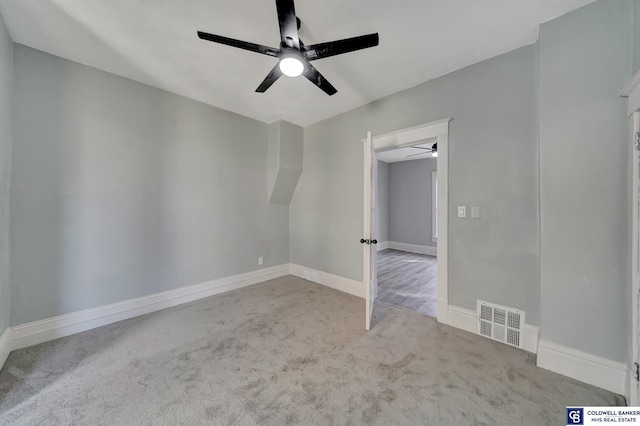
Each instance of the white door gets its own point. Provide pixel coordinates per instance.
(369, 242)
(635, 264)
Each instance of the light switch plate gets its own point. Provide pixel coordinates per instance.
(475, 212)
(462, 211)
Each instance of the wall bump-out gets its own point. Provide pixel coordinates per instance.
(285, 160)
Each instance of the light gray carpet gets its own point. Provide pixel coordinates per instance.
(283, 352)
(408, 280)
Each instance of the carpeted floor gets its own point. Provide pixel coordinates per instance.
(283, 352)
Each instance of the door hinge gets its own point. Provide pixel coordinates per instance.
(636, 141)
(636, 373)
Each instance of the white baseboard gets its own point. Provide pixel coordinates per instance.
(64, 325)
(462, 318)
(443, 311)
(5, 346)
(587, 368)
(466, 319)
(413, 248)
(382, 245)
(346, 285)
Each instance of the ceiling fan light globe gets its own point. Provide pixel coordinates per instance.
(434, 154)
(291, 67)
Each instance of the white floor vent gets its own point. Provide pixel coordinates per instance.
(501, 323)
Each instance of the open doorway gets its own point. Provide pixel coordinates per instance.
(434, 132)
(407, 227)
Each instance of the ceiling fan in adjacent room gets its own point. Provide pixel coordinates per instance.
(433, 150)
(294, 57)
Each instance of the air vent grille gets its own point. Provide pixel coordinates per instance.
(513, 337)
(499, 332)
(501, 323)
(485, 328)
(486, 312)
(514, 320)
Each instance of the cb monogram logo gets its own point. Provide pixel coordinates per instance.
(574, 416)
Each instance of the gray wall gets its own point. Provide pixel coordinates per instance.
(383, 202)
(585, 62)
(636, 36)
(6, 84)
(410, 201)
(493, 164)
(121, 190)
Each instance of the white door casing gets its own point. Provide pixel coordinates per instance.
(632, 92)
(374, 224)
(434, 205)
(635, 263)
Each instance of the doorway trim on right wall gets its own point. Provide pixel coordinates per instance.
(632, 382)
(434, 206)
(436, 131)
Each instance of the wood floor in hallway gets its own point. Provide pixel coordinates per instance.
(408, 280)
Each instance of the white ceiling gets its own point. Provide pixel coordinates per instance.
(155, 42)
(407, 153)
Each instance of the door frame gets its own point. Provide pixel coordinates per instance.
(436, 131)
(634, 361)
(632, 92)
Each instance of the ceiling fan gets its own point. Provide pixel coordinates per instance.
(294, 57)
(433, 150)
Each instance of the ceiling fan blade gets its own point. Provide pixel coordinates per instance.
(415, 155)
(258, 48)
(270, 79)
(288, 23)
(314, 76)
(338, 47)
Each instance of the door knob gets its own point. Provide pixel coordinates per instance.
(363, 241)
(374, 241)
